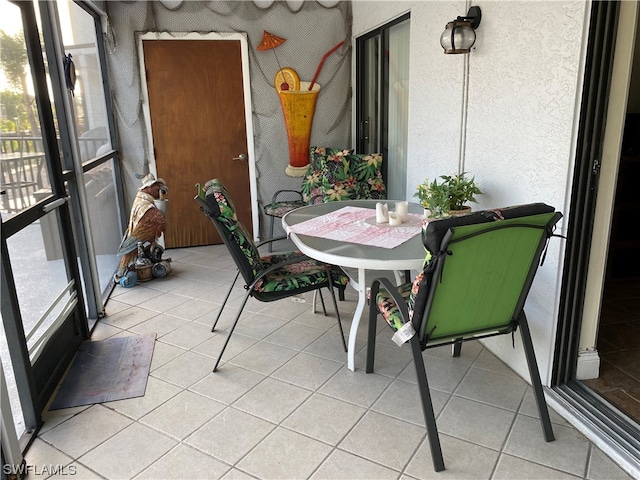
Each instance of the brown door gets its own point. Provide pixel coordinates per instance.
(196, 104)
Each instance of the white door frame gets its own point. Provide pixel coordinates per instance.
(588, 357)
(246, 86)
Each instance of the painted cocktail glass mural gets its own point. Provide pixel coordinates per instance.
(298, 101)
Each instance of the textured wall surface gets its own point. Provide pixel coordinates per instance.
(311, 29)
(521, 110)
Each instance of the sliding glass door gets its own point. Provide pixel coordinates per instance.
(382, 79)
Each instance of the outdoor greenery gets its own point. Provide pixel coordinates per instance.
(13, 63)
(450, 193)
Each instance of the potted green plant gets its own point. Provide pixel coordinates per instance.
(447, 196)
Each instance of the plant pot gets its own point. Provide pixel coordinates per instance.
(457, 213)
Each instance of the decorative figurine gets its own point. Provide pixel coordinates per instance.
(147, 222)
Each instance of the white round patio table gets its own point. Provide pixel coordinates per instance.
(409, 255)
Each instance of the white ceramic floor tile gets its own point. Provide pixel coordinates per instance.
(230, 435)
(285, 455)
(103, 331)
(183, 414)
(263, 357)
(156, 394)
(442, 374)
(476, 422)
(163, 353)
(136, 295)
(86, 430)
(227, 384)
(385, 440)
(569, 451)
(345, 466)
(318, 320)
(194, 308)
(324, 418)
(184, 462)
(185, 370)
(330, 346)
(356, 387)
(188, 335)
(462, 460)
(602, 467)
(159, 324)
(42, 460)
(164, 302)
(334, 423)
(488, 361)
(294, 335)
(128, 453)
(128, 318)
(390, 361)
(307, 371)
(213, 346)
(511, 467)
(75, 470)
(402, 400)
(493, 388)
(258, 325)
(272, 400)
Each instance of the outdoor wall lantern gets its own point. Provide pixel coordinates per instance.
(459, 35)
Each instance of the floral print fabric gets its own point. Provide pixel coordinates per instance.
(294, 276)
(352, 177)
(312, 185)
(388, 308)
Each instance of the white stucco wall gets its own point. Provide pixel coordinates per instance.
(524, 80)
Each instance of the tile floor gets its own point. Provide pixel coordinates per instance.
(284, 405)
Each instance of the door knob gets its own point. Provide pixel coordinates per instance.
(242, 157)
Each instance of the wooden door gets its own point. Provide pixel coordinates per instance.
(196, 105)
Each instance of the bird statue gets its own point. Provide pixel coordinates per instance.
(146, 224)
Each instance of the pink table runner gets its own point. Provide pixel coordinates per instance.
(357, 225)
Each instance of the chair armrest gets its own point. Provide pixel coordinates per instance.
(393, 293)
(274, 199)
(269, 240)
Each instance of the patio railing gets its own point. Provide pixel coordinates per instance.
(23, 169)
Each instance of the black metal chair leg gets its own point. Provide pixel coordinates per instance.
(373, 319)
(456, 348)
(225, 301)
(270, 246)
(427, 406)
(335, 305)
(534, 373)
(235, 322)
(324, 309)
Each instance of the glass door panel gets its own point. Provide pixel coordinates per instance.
(42, 312)
(382, 100)
(102, 206)
(24, 177)
(89, 105)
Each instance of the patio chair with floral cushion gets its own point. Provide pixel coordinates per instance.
(283, 201)
(267, 278)
(474, 285)
(352, 177)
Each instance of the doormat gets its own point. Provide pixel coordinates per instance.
(107, 370)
